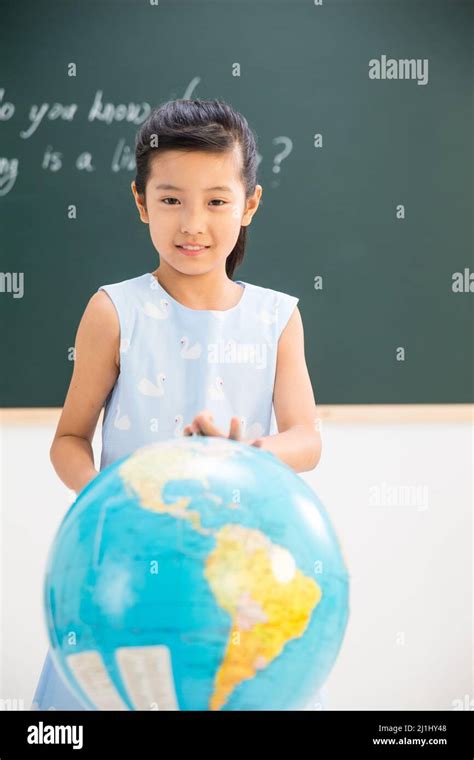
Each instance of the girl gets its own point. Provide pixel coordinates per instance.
(185, 349)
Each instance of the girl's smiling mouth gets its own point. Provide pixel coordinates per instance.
(194, 251)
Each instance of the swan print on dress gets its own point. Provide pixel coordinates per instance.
(121, 422)
(148, 388)
(190, 353)
(269, 317)
(178, 431)
(215, 391)
(157, 312)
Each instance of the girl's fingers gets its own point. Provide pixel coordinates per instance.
(203, 424)
(234, 432)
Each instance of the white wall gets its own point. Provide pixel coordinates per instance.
(409, 639)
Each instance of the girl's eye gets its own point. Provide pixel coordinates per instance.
(216, 200)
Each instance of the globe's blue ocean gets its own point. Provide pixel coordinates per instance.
(196, 574)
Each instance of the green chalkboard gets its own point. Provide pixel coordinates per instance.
(364, 119)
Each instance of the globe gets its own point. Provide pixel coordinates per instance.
(198, 573)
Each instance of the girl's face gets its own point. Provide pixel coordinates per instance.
(196, 198)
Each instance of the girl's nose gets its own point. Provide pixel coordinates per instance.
(192, 224)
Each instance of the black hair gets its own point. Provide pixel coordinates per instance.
(198, 125)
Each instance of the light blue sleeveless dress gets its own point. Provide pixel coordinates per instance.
(175, 362)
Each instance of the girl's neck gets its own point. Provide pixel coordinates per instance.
(210, 291)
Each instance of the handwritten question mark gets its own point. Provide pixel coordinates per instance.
(284, 153)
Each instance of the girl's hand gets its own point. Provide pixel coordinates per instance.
(203, 424)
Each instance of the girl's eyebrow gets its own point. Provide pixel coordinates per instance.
(179, 189)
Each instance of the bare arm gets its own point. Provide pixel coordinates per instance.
(96, 368)
(298, 443)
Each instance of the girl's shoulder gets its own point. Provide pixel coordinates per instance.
(126, 296)
(272, 307)
(264, 292)
(129, 284)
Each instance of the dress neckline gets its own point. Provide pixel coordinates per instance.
(155, 285)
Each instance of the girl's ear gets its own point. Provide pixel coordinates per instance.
(252, 205)
(140, 205)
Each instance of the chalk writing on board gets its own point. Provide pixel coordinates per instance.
(122, 155)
